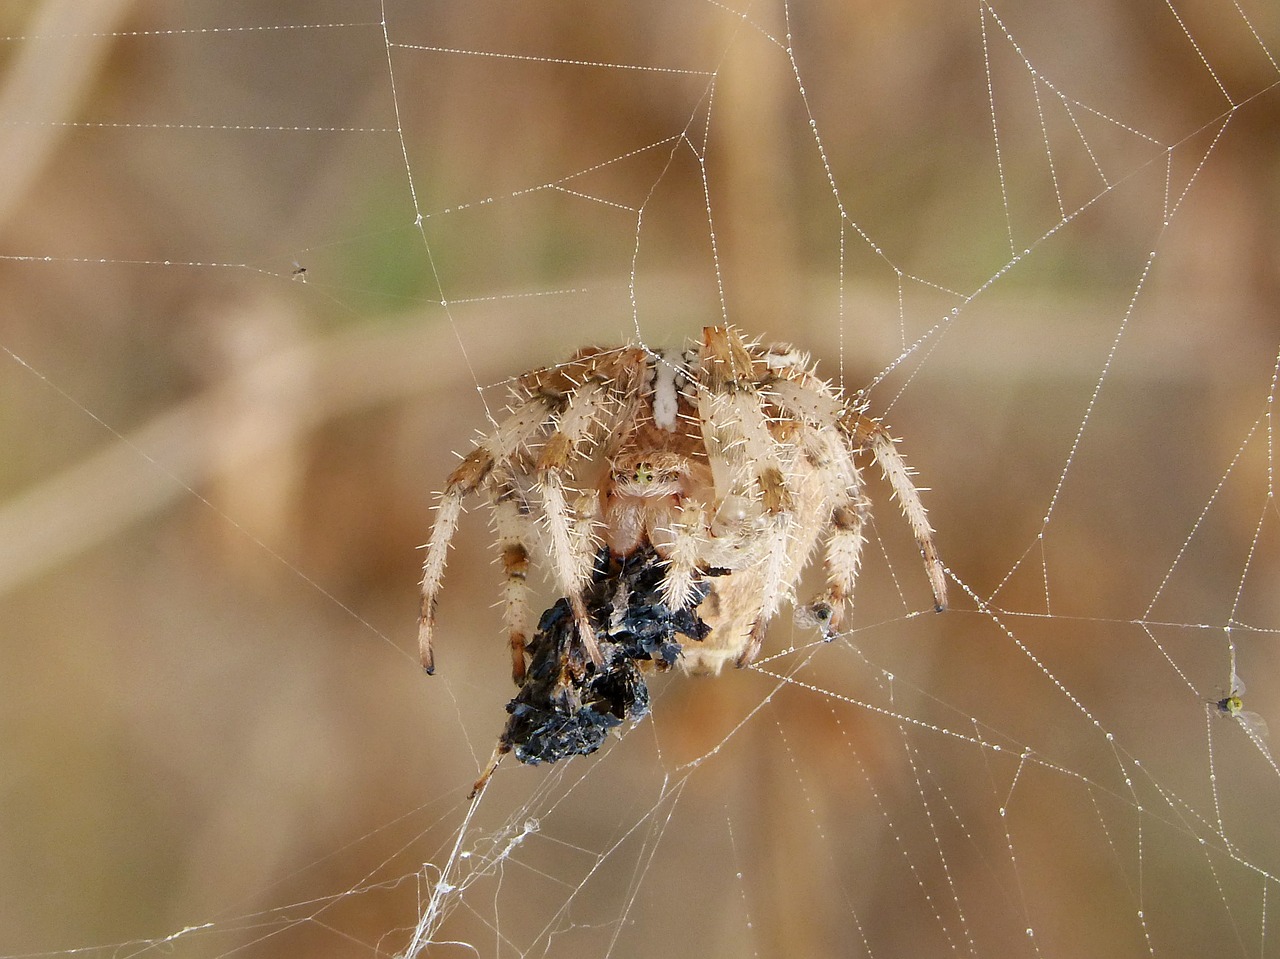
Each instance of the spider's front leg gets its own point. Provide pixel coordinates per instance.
(479, 470)
(572, 546)
(466, 479)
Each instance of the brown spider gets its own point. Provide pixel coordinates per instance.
(731, 461)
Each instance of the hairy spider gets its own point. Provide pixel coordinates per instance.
(730, 461)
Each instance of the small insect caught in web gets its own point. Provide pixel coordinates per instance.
(1232, 706)
(678, 497)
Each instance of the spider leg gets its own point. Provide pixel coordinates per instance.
(571, 545)
(465, 479)
(842, 560)
(475, 471)
(866, 433)
(499, 751)
(840, 520)
(803, 394)
(514, 529)
(735, 427)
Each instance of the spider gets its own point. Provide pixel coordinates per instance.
(730, 460)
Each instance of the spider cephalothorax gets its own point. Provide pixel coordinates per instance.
(733, 461)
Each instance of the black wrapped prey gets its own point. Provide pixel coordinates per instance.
(568, 704)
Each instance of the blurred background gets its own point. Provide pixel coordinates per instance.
(265, 266)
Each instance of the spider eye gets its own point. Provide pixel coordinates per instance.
(643, 474)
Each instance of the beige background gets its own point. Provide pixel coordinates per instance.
(215, 477)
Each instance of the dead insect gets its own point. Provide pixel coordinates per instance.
(568, 704)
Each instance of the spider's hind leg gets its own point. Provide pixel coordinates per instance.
(843, 559)
(867, 434)
(514, 529)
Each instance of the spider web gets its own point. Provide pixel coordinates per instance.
(265, 266)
